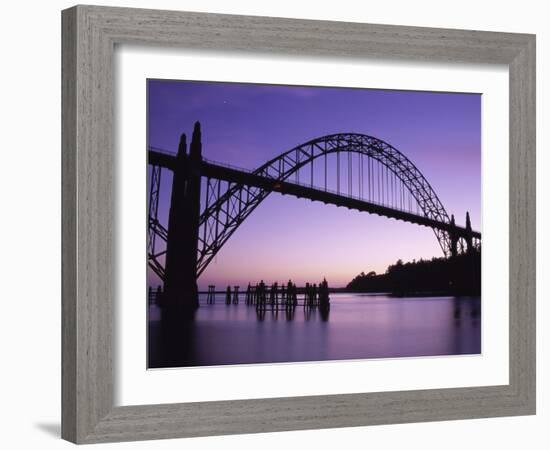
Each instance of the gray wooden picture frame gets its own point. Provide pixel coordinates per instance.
(90, 34)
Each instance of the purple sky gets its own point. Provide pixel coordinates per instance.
(247, 124)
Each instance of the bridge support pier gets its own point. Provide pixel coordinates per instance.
(181, 294)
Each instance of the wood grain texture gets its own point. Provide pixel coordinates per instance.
(89, 36)
(68, 225)
(523, 224)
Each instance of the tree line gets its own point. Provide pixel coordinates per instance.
(459, 275)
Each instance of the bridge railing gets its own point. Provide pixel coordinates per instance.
(161, 150)
(229, 166)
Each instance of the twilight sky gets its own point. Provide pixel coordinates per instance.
(285, 237)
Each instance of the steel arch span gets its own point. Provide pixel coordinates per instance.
(225, 210)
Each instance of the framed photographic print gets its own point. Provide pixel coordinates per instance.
(267, 222)
(391, 308)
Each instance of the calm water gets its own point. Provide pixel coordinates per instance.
(358, 326)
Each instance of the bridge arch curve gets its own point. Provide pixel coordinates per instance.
(238, 201)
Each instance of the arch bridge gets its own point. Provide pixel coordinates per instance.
(210, 200)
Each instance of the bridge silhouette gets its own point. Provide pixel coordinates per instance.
(365, 174)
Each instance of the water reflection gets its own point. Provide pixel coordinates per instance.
(466, 310)
(357, 326)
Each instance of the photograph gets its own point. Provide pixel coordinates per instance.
(292, 224)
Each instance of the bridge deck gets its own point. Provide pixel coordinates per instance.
(239, 176)
(298, 190)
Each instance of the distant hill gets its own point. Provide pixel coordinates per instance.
(460, 275)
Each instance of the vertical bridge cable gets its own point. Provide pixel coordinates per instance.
(350, 175)
(378, 180)
(298, 167)
(401, 196)
(375, 182)
(312, 165)
(381, 166)
(338, 171)
(325, 156)
(387, 187)
(392, 190)
(369, 178)
(383, 184)
(404, 197)
(386, 191)
(360, 175)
